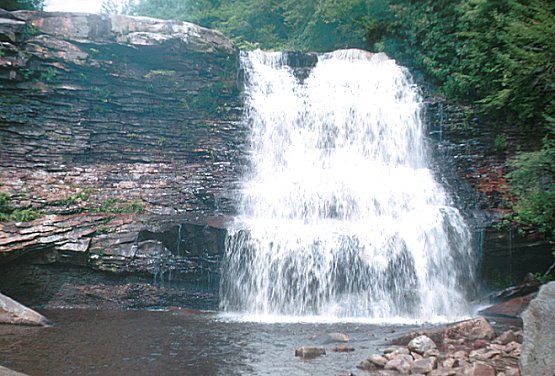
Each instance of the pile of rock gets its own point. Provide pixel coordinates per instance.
(469, 348)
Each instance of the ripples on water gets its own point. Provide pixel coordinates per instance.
(110, 343)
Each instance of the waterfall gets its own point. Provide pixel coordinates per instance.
(339, 212)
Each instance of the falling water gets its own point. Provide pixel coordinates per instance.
(340, 214)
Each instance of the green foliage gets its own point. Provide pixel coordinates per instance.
(533, 184)
(500, 142)
(49, 75)
(498, 55)
(21, 4)
(9, 213)
(116, 206)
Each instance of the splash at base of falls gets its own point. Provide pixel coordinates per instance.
(340, 214)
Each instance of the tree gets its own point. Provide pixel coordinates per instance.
(116, 6)
(21, 4)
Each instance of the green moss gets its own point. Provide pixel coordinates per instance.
(9, 213)
(116, 206)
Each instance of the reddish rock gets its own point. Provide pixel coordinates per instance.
(511, 308)
(479, 369)
(478, 328)
(401, 363)
(377, 360)
(480, 343)
(424, 365)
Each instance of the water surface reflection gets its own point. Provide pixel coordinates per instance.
(110, 343)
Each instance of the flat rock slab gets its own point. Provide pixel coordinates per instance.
(12, 312)
(512, 308)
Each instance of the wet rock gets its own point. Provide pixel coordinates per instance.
(421, 344)
(538, 346)
(343, 349)
(12, 312)
(424, 365)
(147, 141)
(309, 352)
(335, 337)
(510, 308)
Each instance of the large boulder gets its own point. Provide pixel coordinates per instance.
(538, 347)
(8, 372)
(11, 312)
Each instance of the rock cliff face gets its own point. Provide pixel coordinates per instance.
(120, 148)
(121, 136)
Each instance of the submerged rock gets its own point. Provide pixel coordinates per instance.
(343, 349)
(309, 352)
(12, 312)
(335, 337)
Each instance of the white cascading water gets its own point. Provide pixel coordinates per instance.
(340, 215)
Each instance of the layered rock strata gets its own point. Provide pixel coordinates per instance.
(121, 142)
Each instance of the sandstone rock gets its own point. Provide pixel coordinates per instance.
(424, 365)
(397, 352)
(401, 363)
(335, 337)
(511, 308)
(483, 354)
(514, 348)
(431, 352)
(480, 343)
(377, 360)
(309, 352)
(444, 372)
(479, 369)
(416, 356)
(11, 312)
(449, 363)
(506, 337)
(472, 329)
(538, 347)
(421, 344)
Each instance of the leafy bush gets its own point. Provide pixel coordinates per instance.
(533, 183)
(8, 213)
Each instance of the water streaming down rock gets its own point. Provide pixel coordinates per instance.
(340, 214)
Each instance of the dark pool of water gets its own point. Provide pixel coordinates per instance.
(88, 342)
